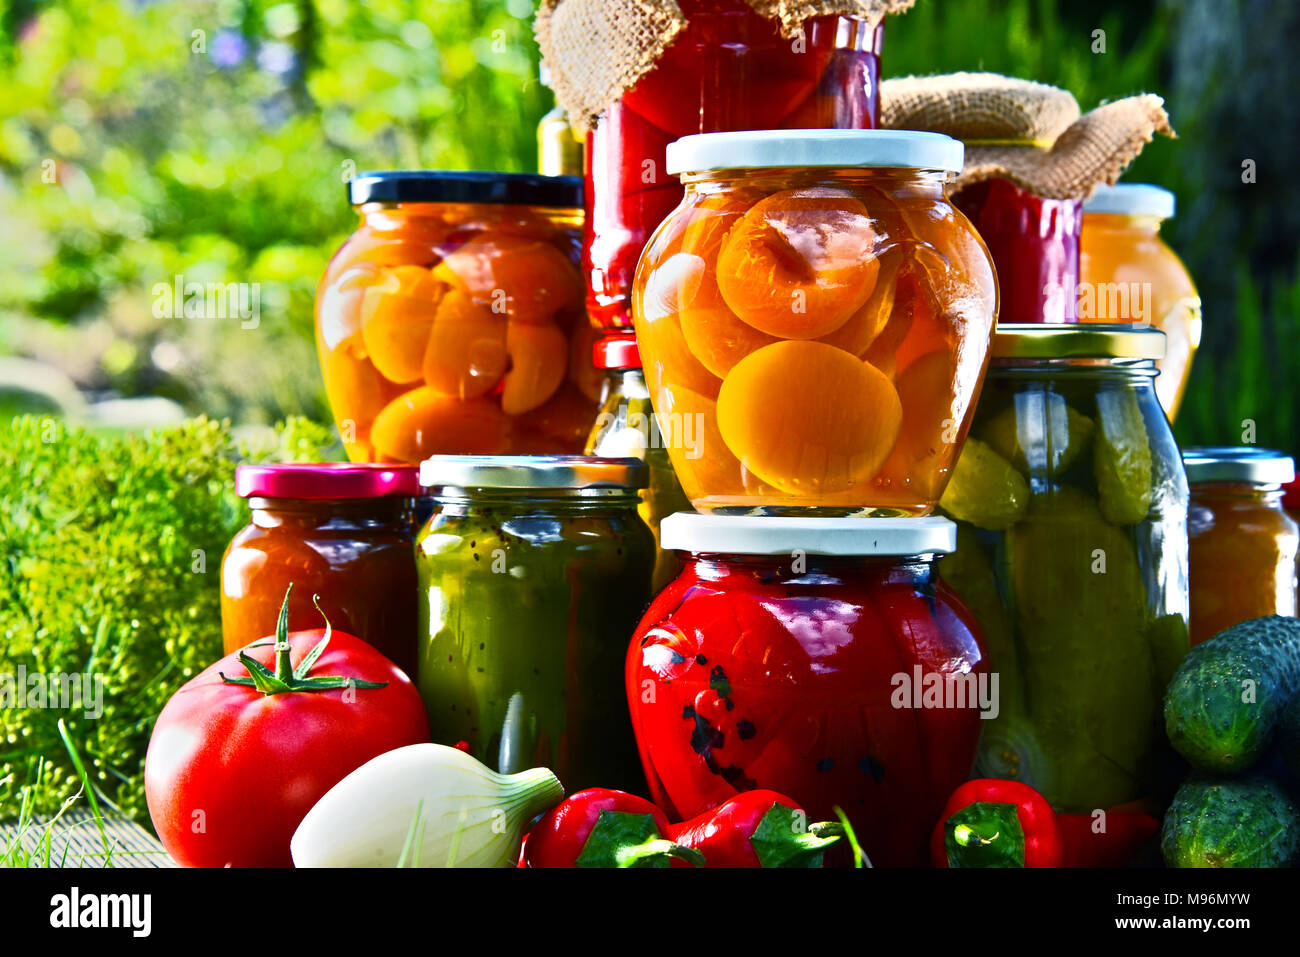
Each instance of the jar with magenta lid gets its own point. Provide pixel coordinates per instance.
(814, 321)
(1129, 274)
(1071, 501)
(1243, 544)
(820, 658)
(451, 321)
(533, 570)
(729, 68)
(626, 426)
(343, 532)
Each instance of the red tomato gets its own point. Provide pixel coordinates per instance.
(231, 771)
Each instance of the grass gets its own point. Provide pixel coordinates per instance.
(15, 853)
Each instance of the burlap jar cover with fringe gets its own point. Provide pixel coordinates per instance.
(598, 49)
(1029, 133)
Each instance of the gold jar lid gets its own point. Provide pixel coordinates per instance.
(1076, 340)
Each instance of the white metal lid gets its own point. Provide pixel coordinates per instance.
(755, 149)
(772, 535)
(1131, 199)
(1235, 463)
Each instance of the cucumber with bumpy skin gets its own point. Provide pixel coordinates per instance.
(1229, 693)
(1230, 822)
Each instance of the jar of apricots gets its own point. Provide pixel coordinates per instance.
(815, 321)
(452, 321)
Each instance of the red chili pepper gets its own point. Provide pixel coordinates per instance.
(757, 829)
(990, 822)
(1108, 841)
(603, 828)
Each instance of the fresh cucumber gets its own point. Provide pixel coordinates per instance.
(1227, 696)
(1288, 733)
(1230, 822)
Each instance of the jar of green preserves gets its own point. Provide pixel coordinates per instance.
(626, 425)
(533, 574)
(1072, 501)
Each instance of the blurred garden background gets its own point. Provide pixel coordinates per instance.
(140, 140)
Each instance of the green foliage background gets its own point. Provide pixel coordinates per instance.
(211, 139)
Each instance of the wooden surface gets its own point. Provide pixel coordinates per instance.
(77, 842)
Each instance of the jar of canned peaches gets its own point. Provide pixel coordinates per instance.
(452, 320)
(815, 320)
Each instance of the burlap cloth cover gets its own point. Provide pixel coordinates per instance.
(1029, 133)
(597, 49)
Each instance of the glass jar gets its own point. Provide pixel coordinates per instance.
(1129, 274)
(1072, 553)
(451, 321)
(533, 570)
(626, 426)
(821, 658)
(1243, 543)
(343, 532)
(814, 320)
(1034, 242)
(728, 69)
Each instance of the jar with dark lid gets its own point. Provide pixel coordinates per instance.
(1071, 503)
(626, 426)
(533, 571)
(803, 655)
(1243, 543)
(343, 532)
(452, 321)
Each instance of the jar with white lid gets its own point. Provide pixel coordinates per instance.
(821, 658)
(814, 321)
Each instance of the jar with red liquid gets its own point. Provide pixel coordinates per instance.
(1034, 242)
(728, 69)
(344, 532)
(821, 658)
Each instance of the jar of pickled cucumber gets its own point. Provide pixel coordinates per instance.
(1129, 274)
(533, 572)
(451, 321)
(626, 426)
(1243, 543)
(815, 319)
(1071, 503)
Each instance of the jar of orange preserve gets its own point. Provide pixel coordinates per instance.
(1128, 274)
(452, 321)
(1243, 543)
(343, 532)
(814, 321)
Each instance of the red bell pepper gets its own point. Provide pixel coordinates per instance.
(757, 829)
(1109, 841)
(990, 822)
(599, 827)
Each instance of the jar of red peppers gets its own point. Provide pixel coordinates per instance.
(821, 658)
(730, 68)
(815, 321)
(451, 321)
(1243, 545)
(345, 533)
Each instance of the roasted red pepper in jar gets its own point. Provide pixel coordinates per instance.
(991, 822)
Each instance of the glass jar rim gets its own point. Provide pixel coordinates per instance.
(1132, 199)
(775, 535)
(783, 149)
(577, 473)
(465, 186)
(1228, 463)
(1076, 340)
